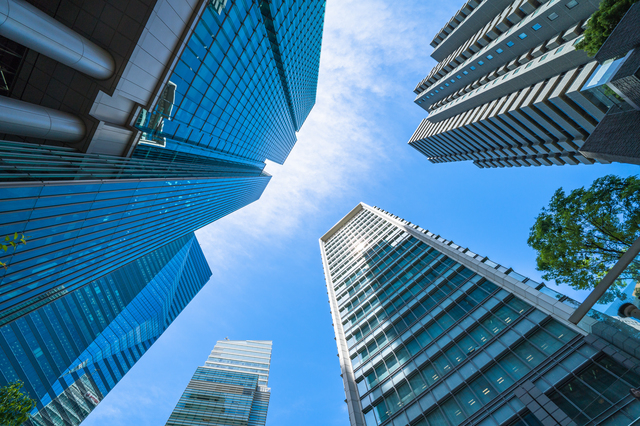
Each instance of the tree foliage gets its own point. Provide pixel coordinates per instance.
(602, 23)
(14, 405)
(9, 242)
(580, 236)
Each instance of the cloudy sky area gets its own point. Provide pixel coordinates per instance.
(267, 278)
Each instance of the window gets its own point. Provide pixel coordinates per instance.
(465, 72)
(458, 77)
(453, 81)
(442, 88)
(571, 4)
(536, 27)
(472, 68)
(522, 36)
(489, 57)
(510, 43)
(499, 51)
(446, 84)
(480, 63)
(552, 16)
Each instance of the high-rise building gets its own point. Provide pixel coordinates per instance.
(430, 333)
(127, 124)
(510, 88)
(230, 389)
(70, 353)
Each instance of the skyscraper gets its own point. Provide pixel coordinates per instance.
(230, 389)
(126, 125)
(430, 333)
(510, 88)
(70, 353)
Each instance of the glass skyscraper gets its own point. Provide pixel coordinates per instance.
(164, 130)
(430, 333)
(230, 389)
(70, 353)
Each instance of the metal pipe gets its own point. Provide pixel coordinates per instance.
(29, 26)
(25, 119)
(606, 282)
(629, 310)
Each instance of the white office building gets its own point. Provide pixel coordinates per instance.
(430, 333)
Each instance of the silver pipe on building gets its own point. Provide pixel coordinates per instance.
(29, 26)
(25, 119)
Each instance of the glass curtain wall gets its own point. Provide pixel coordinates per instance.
(72, 352)
(432, 341)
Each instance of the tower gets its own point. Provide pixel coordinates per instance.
(71, 352)
(230, 389)
(125, 125)
(431, 333)
(510, 88)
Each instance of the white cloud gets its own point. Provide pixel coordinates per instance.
(365, 43)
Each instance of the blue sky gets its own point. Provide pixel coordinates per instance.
(267, 278)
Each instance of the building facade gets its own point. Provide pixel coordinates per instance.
(430, 333)
(70, 353)
(230, 389)
(125, 125)
(616, 137)
(510, 88)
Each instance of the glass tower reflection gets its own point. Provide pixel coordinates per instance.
(243, 83)
(72, 352)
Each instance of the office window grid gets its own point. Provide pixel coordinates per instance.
(298, 27)
(430, 342)
(467, 121)
(224, 391)
(93, 336)
(21, 162)
(86, 229)
(481, 42)
(229, 96)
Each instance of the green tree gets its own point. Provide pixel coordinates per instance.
(602, 23)
(580, 236)
(14, 405)
(18, 239)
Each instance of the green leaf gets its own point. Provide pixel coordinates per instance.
(602, 23)
(580, 236)
(14, 405)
